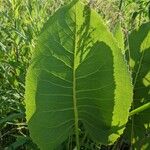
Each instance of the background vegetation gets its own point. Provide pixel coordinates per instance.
(20, 24)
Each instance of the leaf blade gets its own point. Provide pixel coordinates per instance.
(71, 58)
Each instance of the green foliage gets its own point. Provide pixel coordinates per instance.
(20, 24)
(139, 59)
(135, 13)
(71, 83)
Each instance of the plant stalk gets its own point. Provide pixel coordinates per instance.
(120, 5)
(140, 109)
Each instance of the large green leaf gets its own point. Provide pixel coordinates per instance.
(77, 75)
(139, 60)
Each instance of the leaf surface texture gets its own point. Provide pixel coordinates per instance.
(77, 75)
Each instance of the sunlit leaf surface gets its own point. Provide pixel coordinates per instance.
(77, 75)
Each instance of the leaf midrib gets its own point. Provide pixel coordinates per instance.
(74, 86)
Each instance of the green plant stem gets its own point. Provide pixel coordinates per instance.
(120, 5)
(120, 8)
(140, 109)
